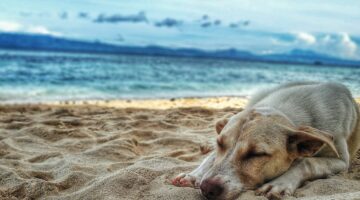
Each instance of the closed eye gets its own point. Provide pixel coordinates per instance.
(252, 155)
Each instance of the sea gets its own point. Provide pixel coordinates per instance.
(30, 76)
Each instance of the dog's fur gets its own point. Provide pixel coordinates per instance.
(285, 136)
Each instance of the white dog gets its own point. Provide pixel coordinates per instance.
(285, 136)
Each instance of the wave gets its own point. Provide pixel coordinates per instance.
(28, 77)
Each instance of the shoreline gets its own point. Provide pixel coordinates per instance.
(160, 103)
(219, 102)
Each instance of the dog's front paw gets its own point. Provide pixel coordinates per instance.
(276, 190)
(185, 180)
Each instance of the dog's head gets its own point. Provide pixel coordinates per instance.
(253, 148)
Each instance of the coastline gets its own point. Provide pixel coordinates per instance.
(205, 102)
(159, 103)
(219, 102)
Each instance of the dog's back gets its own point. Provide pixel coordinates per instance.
(319, 105)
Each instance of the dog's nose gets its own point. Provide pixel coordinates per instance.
(211, 188)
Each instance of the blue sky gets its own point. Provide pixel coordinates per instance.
(259, 26)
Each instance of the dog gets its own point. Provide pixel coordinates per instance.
(285, 136)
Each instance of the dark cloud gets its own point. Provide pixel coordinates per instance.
(169, 22)
(205, 17)
(83, 15)
(233, 25)
(246, 23)
(239, 24)
(217, 22)
(63, 15)
(135, 18)
(206, 24)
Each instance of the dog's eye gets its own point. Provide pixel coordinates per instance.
(251, 155)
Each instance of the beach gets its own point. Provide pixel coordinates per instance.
(117, 100)
(122, 149)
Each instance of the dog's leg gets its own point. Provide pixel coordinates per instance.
(305, 169)
(193, 178)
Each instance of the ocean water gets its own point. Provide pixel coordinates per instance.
(38, 76)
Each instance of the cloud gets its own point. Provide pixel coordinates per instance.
(239, 24)
(83, 15)
(233, 25)
(335, 44)
(217, 22)
(305, 37)
(339, 45)
(169, 22)
(135, 18)
(205, 17)
(41, 30)
(63, 15)
(206, 24)
(7, 26)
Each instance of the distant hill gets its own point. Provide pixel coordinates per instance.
(18, 41)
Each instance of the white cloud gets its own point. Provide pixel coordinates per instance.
(8, 26)
(349, 46)
(41, 30)
(338, 45)
(305, 37)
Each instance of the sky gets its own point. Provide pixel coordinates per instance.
(258, 26)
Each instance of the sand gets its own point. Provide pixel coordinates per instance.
(107, 150)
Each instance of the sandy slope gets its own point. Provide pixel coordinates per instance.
(93, 152)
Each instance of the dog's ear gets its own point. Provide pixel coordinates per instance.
(221, 123)
(306, 141)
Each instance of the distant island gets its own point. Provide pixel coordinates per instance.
(37, 42)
